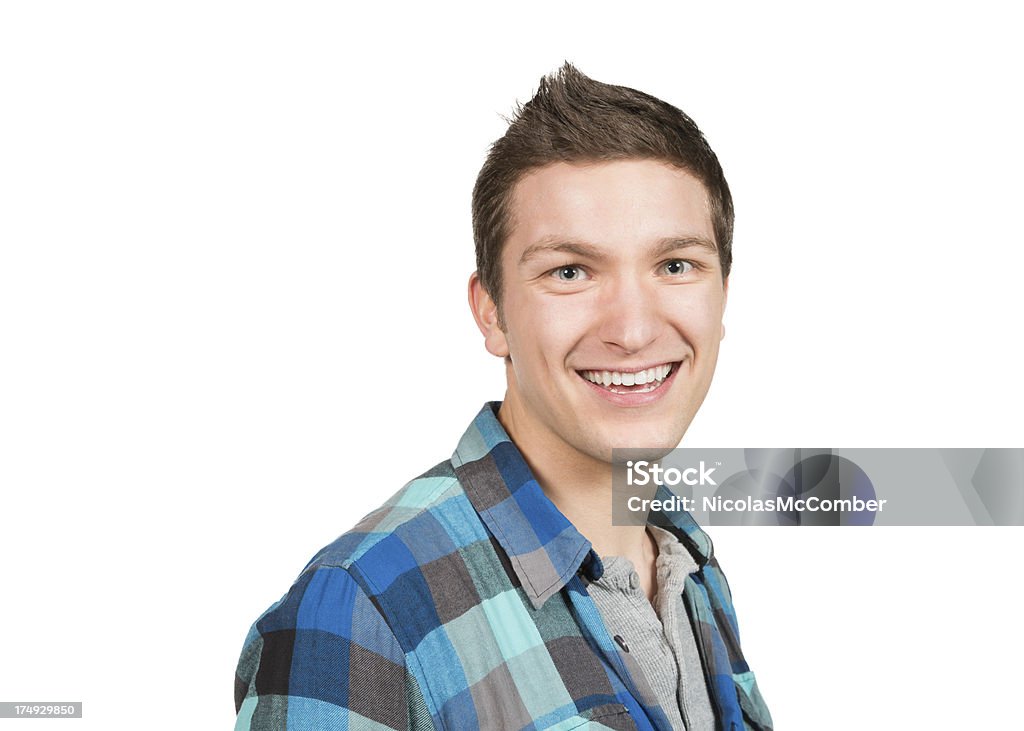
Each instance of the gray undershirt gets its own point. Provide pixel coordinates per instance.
(662, 657)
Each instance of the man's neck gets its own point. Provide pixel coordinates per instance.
(580, 486)
(588, 508)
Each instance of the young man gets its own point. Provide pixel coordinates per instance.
(493, 591)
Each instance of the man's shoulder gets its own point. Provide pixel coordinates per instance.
(337, 608)
(430, 515)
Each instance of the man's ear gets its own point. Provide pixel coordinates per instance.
(725, 301)
(485, 312)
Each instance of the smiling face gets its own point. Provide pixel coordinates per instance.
(612, 308)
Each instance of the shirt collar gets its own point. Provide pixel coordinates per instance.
(544, 549)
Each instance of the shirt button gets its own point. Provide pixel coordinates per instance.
(634, 581)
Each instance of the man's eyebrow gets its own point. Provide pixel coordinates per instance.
(587, 251)
(667, 246)
(563, 246)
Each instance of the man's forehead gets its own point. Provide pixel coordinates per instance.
(565, 206)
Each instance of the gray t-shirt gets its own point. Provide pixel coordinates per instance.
(662, 654)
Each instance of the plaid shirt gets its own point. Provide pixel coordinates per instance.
(462, 603)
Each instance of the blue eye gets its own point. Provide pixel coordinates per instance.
(677, 266)
(569, 273)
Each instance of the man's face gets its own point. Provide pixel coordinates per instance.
(613, 300)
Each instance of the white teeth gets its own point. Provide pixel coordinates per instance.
(637, 378)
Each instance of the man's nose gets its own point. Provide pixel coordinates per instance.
(630, 318)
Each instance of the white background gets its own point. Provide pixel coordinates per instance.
(235, 241)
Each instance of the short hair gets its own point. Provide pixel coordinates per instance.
(573, 118)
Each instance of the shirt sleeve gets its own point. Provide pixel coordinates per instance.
(756, 716)
(324, 657)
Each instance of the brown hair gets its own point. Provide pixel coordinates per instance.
(573, 118)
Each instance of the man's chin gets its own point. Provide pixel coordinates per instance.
(642, 441)
(620, 454)
(613, 447)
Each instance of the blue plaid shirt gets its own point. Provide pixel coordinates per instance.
(462, 603)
